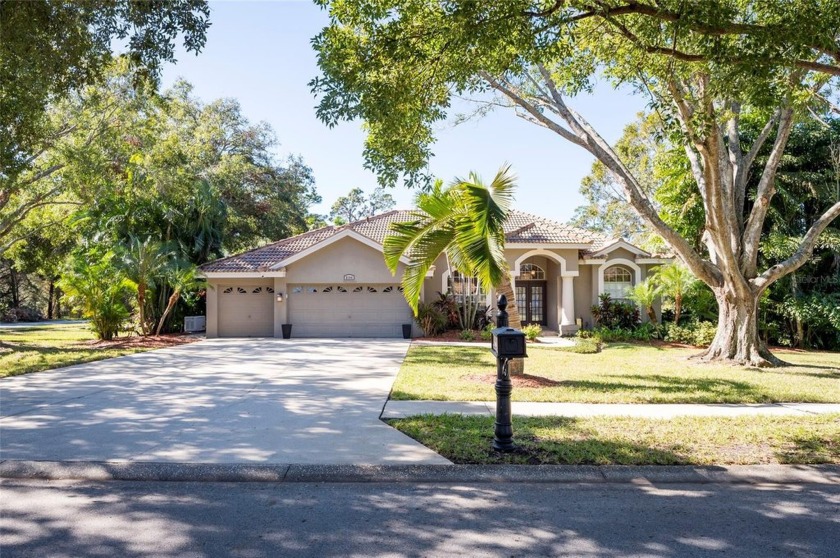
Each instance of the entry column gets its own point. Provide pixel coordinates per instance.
(567, 318)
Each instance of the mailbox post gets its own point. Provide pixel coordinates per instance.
(506, 344)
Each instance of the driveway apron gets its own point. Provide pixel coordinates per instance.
(216, 401)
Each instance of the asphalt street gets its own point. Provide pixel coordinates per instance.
(253, 520)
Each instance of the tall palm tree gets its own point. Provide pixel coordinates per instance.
(465, 222)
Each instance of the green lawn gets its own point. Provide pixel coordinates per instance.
(621, 373)
(633, 441)
(36, 348)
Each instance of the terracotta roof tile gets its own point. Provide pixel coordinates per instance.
(529, 228)
(520, 227)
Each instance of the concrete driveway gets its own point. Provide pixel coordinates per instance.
(215, 401)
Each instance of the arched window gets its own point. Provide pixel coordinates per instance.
(529, 271)
(617, 282)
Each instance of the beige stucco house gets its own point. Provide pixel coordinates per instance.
(333, 282)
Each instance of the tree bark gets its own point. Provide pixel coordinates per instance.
(173, 299)
(517, 365)
(141, 304)
(736, 339)
(50, 301)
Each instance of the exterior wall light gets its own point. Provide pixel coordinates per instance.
(279, 297)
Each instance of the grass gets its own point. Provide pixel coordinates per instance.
(633, 441)
(620, 373)
(31, 349)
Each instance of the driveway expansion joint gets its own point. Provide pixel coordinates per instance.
(99, 471)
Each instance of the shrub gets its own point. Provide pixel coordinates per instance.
(430, 319)
(642, 332)
(696, 333)
(532, 331)
(21, 314)
(448, 307)
(615, 314)
(103, 291)
(487, 332)
(467, 335)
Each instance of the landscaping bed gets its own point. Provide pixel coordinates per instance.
(36, 348)
(620, 373)
(633, 441)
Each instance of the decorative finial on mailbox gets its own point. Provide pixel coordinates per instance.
(502, 315)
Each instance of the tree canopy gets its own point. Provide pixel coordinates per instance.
(396, 64)
(50, 48)
(356, 205)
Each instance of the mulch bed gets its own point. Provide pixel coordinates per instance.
(518, 380)
(140, 342)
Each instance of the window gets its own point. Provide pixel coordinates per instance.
(529, 271)
(617, 282)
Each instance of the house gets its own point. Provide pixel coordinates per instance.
(333, 282)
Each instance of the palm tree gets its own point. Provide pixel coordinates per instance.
(143, 262)
(644, 294)
(674, 280)
(465, 222)
(181, 278)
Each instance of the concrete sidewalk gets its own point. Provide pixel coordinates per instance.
(401, 409)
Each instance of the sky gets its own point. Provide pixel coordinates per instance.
(260, 54)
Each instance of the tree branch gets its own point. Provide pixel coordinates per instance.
(596, 145)
(509, 91)
(800, 257)
(764, 193)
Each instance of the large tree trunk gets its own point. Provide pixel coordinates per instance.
(736, 339)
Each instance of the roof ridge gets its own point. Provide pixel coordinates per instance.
(270, 244)
(370, 218)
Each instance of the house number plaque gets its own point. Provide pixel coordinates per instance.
(349, 277)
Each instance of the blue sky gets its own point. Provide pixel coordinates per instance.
(259, 53)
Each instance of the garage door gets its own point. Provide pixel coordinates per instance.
(246, 311)
(347, 310)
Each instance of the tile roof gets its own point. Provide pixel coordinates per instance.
(520, 227)
(529, 228)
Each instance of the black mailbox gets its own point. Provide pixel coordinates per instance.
(508, 343)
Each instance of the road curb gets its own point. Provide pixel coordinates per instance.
(290, 473)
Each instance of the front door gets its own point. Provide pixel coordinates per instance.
(530, 301)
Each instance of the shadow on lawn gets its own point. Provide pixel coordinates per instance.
(811, 448)
(467, 440)
(671, 384)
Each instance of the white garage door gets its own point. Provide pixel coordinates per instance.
(246, 311)
(347, 310)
